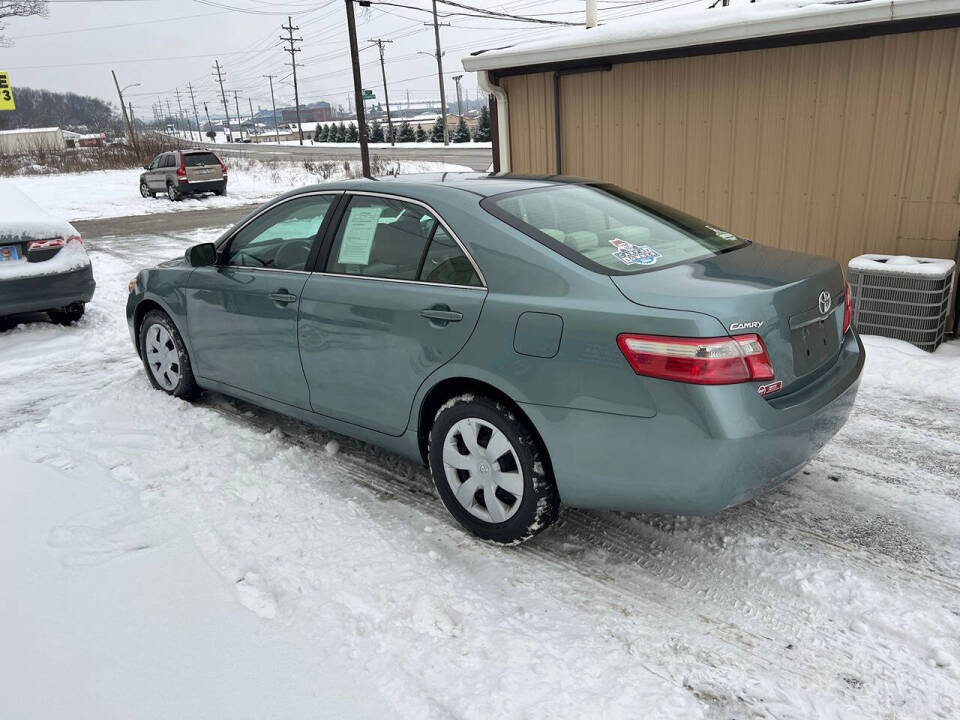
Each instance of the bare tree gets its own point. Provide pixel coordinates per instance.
(19, 8)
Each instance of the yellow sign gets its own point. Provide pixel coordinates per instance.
(6, 93)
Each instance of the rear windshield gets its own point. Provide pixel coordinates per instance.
(194, 159)
(609, 229)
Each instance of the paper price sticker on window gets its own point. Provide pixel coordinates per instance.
(358, 235)
(6, 93)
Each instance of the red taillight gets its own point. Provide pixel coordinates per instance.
(223, 168)
(847, 308)
(182, 170)
(50, 244)
(704, 361)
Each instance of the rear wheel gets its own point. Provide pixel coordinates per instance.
(67, 315)
(165, 356)
(490, 470)
(145, 190)
(173, 192)
(221, 190)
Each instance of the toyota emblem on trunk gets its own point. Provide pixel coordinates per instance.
(824, 302)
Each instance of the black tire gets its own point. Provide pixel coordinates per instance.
(540, 502)
(221, 191)
(173, 192)
(186, 386)
(67, 315)
(145, 191)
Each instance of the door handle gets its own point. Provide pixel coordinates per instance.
(282, 297)
(441, 314)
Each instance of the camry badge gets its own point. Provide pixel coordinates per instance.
(755, 325)
(824, 302)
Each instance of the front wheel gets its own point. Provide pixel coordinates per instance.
(490, 470)
(145, 190)
(165, 356)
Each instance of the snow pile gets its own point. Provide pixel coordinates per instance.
(21, 217)
(115, 193)
(70, 257)
(902, 265)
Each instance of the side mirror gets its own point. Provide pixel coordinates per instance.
(201, 255)
(146, 167)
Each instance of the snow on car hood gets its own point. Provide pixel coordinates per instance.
(22, 219)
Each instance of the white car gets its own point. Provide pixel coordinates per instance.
(43, 264)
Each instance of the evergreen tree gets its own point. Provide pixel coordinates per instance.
(482, 133)
(391, 134)
(420, 135)
(406, 133)
(324, 133)
(341, 133)
(376, 132)
(316, 133)
(461, 134)
(353, 134)
(436, 135)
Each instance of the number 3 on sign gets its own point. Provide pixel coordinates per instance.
(6, 93)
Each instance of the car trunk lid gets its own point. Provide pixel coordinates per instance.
(202, 167)
(756, 289)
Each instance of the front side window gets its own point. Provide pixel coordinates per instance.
(381, 237)
(281, 238)
(609, 229)
(156, 162)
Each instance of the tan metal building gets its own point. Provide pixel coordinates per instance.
(832, 129)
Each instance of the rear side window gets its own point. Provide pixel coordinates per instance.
(195, 159)
(381, 237)
(446, 264)
(608, 229)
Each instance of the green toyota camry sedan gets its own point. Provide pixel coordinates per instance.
(533, 340)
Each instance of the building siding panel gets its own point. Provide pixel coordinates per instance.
(837, 148)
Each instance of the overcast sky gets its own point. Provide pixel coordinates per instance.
(164, 44)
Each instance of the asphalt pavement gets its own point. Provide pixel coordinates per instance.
(161, 223)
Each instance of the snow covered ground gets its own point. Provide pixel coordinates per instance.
(115, 193)
(161, 559)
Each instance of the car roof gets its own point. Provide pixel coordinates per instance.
(417, 185)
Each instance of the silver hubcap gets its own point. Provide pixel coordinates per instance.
(162, 357)
(483, 470)
(144, 190)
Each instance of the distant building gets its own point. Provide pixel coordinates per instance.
(26, 140)
(321, 112)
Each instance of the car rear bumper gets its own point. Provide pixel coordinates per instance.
(46, 292)
(708, 447)
(203, 186)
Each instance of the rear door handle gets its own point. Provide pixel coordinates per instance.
(441, 315)
(282, 297)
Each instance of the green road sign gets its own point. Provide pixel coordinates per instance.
(368, 95)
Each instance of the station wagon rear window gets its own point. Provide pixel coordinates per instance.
(195, 159)
(608, 229)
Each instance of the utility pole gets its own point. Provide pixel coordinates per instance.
(386, 96)
(293, 49)
(196, 117)
(223, 95)
(273, 102)
(456, 79)
(210, 124)
(591, 14)
(236, 101)
(253, 125)
(133, 125)
(179, 106)
(358, 90)
(443, 93)
(126, 118)
(170, 114)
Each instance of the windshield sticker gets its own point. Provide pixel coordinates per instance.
(723, 234)
(630, 254)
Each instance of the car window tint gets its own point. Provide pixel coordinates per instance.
(445, 262)
(380, 237)
(281, 238)
(156, 162)
(195, 159)
(610, 227)
(170, 160)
